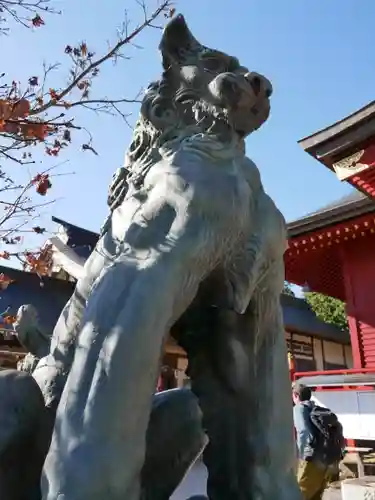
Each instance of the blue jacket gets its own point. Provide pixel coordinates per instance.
(304, 429)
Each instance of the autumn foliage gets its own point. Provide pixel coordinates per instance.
(37, 115)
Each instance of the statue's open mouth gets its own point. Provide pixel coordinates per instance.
(185, 94)
(259, 84)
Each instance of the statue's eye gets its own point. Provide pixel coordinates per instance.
(233, 65)
(213, 64)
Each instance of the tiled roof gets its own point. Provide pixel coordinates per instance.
(349, 207)
(82, 240)
(355, 121)
(353, 197)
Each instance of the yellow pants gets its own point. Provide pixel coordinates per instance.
(312, 479)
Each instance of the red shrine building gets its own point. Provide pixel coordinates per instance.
(332, 251)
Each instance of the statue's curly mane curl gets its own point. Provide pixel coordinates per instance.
(169, 114)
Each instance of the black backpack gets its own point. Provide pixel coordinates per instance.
(329, 441)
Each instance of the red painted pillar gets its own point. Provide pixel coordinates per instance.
(359, 278)
(292, 367)
(160, 385)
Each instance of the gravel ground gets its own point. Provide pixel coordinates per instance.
(195, 484)
(332, 494)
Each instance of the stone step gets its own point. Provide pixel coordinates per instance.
(358, 489)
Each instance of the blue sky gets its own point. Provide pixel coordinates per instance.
(319, 56)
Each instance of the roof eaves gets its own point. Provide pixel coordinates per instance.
(77, 235)
(73, 226)
(19, 276)
(330, 216)
(300, 318)
(340, 127)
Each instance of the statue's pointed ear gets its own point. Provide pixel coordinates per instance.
(177, 41)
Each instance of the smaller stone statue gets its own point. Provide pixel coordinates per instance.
(31, 336)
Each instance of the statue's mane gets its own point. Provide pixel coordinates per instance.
(171, 115)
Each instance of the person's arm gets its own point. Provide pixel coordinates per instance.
(303, 429)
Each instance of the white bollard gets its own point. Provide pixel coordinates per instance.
(358, 489)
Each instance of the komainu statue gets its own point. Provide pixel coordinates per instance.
(194, 245)
(31, 336)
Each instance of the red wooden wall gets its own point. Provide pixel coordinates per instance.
(358, 258)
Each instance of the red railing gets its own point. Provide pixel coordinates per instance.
(341, 387)
(347, 371)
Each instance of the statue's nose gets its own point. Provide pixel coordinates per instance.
(259, 84)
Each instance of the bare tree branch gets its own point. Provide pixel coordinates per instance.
(37, 115)
(111, 53)
(20, 11)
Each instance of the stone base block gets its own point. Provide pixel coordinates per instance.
(358, 489)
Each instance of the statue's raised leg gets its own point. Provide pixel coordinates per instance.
(52, 371)
(107, 397)
(98, 445)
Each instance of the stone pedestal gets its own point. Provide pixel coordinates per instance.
(359, 489)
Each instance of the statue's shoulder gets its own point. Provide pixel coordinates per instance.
(251, 173)
(266, 204)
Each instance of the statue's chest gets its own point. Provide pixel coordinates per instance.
(202, 178)
(186, 185)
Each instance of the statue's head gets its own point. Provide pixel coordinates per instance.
(214, 78)
(202, 90)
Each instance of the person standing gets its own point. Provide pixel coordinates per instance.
(320, 443)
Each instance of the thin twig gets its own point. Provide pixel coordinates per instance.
(107, 56)
(98, 101)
